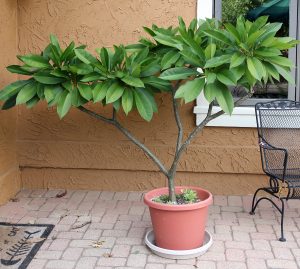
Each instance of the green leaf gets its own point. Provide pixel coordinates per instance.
(67, 52)
(168, 41)
(85, 56)
(104, 57)
(85, 91)
(64, 104)
(59, 73)
(210, 51)
(32, 102)
(132, 81)
(259, 67)
(151, 98)
(55, 55)
(81, 69)
(40, 91)
(150, 69)
(237, 59)
(218, 35)
(225, 99)
(127, 100)
(226, 77)
(55, 43)
(267, 52)
(177, 73)
(218, 61)
(211, 77)
(35, 61)
(114, 92)
(99, 91)
(169, 59)
(191, 89)
(279, 60)
(285, 74)
(46, 78)
(190, 57)
(75, 97)
(13, 88)
(143, 105)
(94, 76)
(210, 91)
(11, 102)
(16, 69)
(51, 92)
(252, 69)
(233, 31)
(158, 83)
(272, 71)
(26, 93)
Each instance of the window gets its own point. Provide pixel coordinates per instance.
(228, 10)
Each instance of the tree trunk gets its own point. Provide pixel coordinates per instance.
(171, 187)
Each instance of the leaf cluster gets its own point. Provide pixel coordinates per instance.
(187, 196)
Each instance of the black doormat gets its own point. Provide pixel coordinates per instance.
(20, 242)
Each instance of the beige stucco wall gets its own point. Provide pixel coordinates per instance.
(9, 170)
(79, 152)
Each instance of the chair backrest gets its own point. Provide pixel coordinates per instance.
(278, 124)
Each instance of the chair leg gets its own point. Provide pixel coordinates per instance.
(281, 211)
(253, 207)
(282, 238)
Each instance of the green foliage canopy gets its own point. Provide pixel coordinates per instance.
(204, 56)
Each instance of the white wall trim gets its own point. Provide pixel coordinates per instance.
(241, 116)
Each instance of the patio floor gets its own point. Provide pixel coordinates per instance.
(120, 220)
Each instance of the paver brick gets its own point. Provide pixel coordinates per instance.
(86, 263)
(206, 264)
(281, 264)
(37, 264)
(121, 251)
(254, 263)
(231, 265)
(283, 253)
(154, 266)
(263, 254)
(72, 253)
(114, 262)
(48, 254)
(179, 266)
(60, 264)
(137, 260)
(59, 244)
(235, 255)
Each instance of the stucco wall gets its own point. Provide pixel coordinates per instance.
(9, 171)
(80, 152)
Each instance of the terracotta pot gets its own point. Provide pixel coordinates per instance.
(179, 227)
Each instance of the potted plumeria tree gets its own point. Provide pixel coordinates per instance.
(203, 57)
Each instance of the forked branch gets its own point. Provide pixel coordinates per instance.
(113, 121)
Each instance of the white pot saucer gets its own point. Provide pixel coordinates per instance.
(178, 254)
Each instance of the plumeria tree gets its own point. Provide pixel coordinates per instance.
(184, 61)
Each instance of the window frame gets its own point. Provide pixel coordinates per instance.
(244, 116)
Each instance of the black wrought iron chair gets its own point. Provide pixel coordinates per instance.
(278, 125)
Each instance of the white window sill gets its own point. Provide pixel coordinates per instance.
(241, 117)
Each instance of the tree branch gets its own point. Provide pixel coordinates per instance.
(126, 132)
(177, 118)
(95, 115)
(197, 129)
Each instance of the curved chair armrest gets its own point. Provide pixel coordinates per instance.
(266, 146)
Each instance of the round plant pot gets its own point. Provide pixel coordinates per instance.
(179, 227)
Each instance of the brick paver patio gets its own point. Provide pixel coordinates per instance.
(119, 222)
